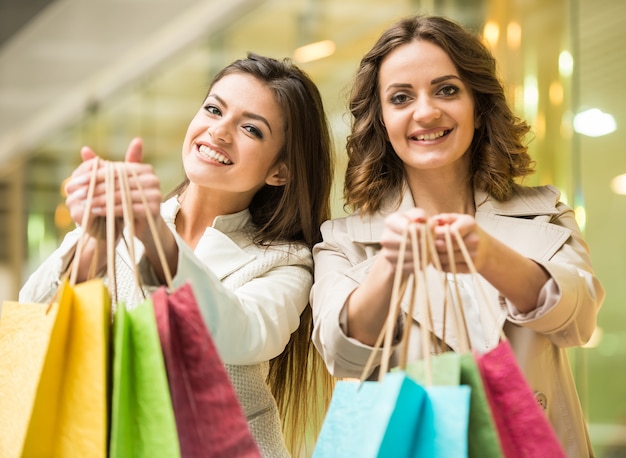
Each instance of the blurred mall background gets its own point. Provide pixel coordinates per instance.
(99, 72)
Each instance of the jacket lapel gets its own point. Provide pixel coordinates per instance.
(220, 253)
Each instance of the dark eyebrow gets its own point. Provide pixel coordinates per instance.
(247, 114)
(437, 80)
(445, 78)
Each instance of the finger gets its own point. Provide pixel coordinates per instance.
(415, 215)
(86, 153)
(134, 153)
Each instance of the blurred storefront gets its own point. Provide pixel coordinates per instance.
(561, 60)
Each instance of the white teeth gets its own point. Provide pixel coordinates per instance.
(208, 152)
(431, 136)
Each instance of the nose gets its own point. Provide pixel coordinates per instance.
(219, 130)
(426, 110)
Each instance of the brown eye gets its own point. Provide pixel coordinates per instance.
(399, 99)
(449, 90)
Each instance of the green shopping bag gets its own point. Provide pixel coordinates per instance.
(483, 439)
(142, 423)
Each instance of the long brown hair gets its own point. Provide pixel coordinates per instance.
(498, 154)
(294, 213)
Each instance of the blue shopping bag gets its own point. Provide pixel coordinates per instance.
(388, 418)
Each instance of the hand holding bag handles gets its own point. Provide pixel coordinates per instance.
(142, 423)
(440, 374)
(209, 419)
(390, 417)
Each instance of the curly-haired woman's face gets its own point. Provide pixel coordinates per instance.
(427, 109)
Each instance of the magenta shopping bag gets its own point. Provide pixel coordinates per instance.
(209, 418)
(523, 427)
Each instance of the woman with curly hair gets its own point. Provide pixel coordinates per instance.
(434, 141)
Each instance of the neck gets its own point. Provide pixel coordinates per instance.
(198, 209)
(436, 194)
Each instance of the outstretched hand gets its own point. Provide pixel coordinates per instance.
(474, 238)
(140, 175)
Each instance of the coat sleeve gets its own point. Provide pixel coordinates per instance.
(252, 323)
(42, 284)
(337, 275)
(570, 300)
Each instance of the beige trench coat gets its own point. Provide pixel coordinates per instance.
(533, 223)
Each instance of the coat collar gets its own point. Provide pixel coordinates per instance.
(526, 201)
(218, 248)
(224, 223)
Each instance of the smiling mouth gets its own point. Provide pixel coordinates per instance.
(209, 153)
(430, 136)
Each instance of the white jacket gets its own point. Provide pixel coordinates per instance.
(250, 297)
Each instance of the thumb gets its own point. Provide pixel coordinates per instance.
(134, 153)
(86, 153)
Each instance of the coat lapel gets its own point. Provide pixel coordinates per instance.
(223, 256)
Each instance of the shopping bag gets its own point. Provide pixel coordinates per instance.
(210, 420)
(483, 440)
(523, 427)
(388, 418)
(142, 417)
(53, 377)
(450, 400)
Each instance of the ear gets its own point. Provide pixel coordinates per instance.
(278, 175)
(478, 122)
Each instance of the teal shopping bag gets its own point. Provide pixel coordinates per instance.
(440, 375)
(389, 418)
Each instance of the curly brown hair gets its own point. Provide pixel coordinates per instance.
(498, 153)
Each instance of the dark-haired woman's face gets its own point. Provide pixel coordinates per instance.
(427, 109)
(233, 142)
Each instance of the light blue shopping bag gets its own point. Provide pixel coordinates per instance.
(388, 418)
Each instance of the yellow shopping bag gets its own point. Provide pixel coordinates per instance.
(53, 374)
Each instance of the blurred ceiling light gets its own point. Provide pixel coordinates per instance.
(531, 95)
(514, 35)
(491, 32)
(556, 93)
(314, 51)
(566, 63)
(618, 184)
(594, 123)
